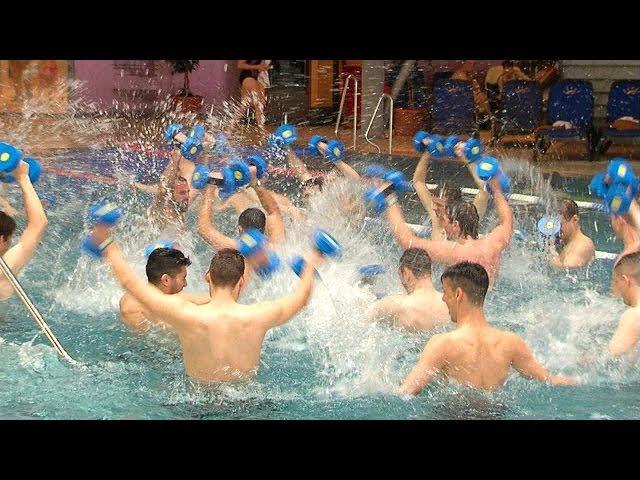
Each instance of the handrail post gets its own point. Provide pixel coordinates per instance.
(366, 133)
(355, 106)
(33, 310)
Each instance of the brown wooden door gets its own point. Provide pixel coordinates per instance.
(320, 83)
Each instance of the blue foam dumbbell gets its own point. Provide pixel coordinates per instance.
(326, 244)
(164, 243)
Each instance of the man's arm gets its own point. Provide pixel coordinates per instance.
(300, 169)
(172, 309)
(627, 334)
(482, 197)
(501, 235)
(441, 251)
(167, 180)
(6, 207)
(420, 184)
(275, 222)
(206, 228)
(20, 254)
(432, 359)
(526, 364)
(347, 170)
(277, 312)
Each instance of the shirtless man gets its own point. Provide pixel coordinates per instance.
(626, 284)
(247, 198)
(461, 225)
(627, 229)
(167, 271)
(445, 194)
(422, 308)
(475, 353)
(172, 198)
(221, 340)
(578, 250)
(271, 224)
(17, 256)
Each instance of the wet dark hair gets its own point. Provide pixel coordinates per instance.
(226, 268)
(165, 260)
(7, 225)
(568, 208)
(253, 218)
(471, 278)
(507, 64)
(417, 261)
(629, 264)
(467, 216)
(448, 191)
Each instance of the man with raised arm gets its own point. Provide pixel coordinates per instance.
(445, 194)
(18, 255)
(271, 224)
(461, 225)
(221, 340)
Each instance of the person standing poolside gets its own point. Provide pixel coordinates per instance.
(422, 307)
(475, 353)
(221, 340)
(626, 284)
(18, 255)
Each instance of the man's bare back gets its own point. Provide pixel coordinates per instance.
(417, 311)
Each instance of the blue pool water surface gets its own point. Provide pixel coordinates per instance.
(328, 362)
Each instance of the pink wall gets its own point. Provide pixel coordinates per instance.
(137, 82)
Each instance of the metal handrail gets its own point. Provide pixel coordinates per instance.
(33, 311)
(366, 133)
(355, 106)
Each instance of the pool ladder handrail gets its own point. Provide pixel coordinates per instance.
(33, 311)
(355, 107)
(366, 133)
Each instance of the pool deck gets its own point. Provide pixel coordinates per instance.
(46, 136)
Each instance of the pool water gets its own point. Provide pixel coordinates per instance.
(330, 361)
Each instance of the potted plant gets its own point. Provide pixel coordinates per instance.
(184, 98)
(410, 106)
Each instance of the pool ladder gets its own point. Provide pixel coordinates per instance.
(355, 107)
(375, 112)
(33, 311)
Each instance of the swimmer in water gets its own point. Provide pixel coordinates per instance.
(446, 193)
(422, 307)
(475, 353)
(577, 249)
(626, 284)
(18, 255)
(271, 224)
(167, 271)
(461, 225)
(221, 340)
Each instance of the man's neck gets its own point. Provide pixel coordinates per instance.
(222, 295)
(471, 316)
(423, 285)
